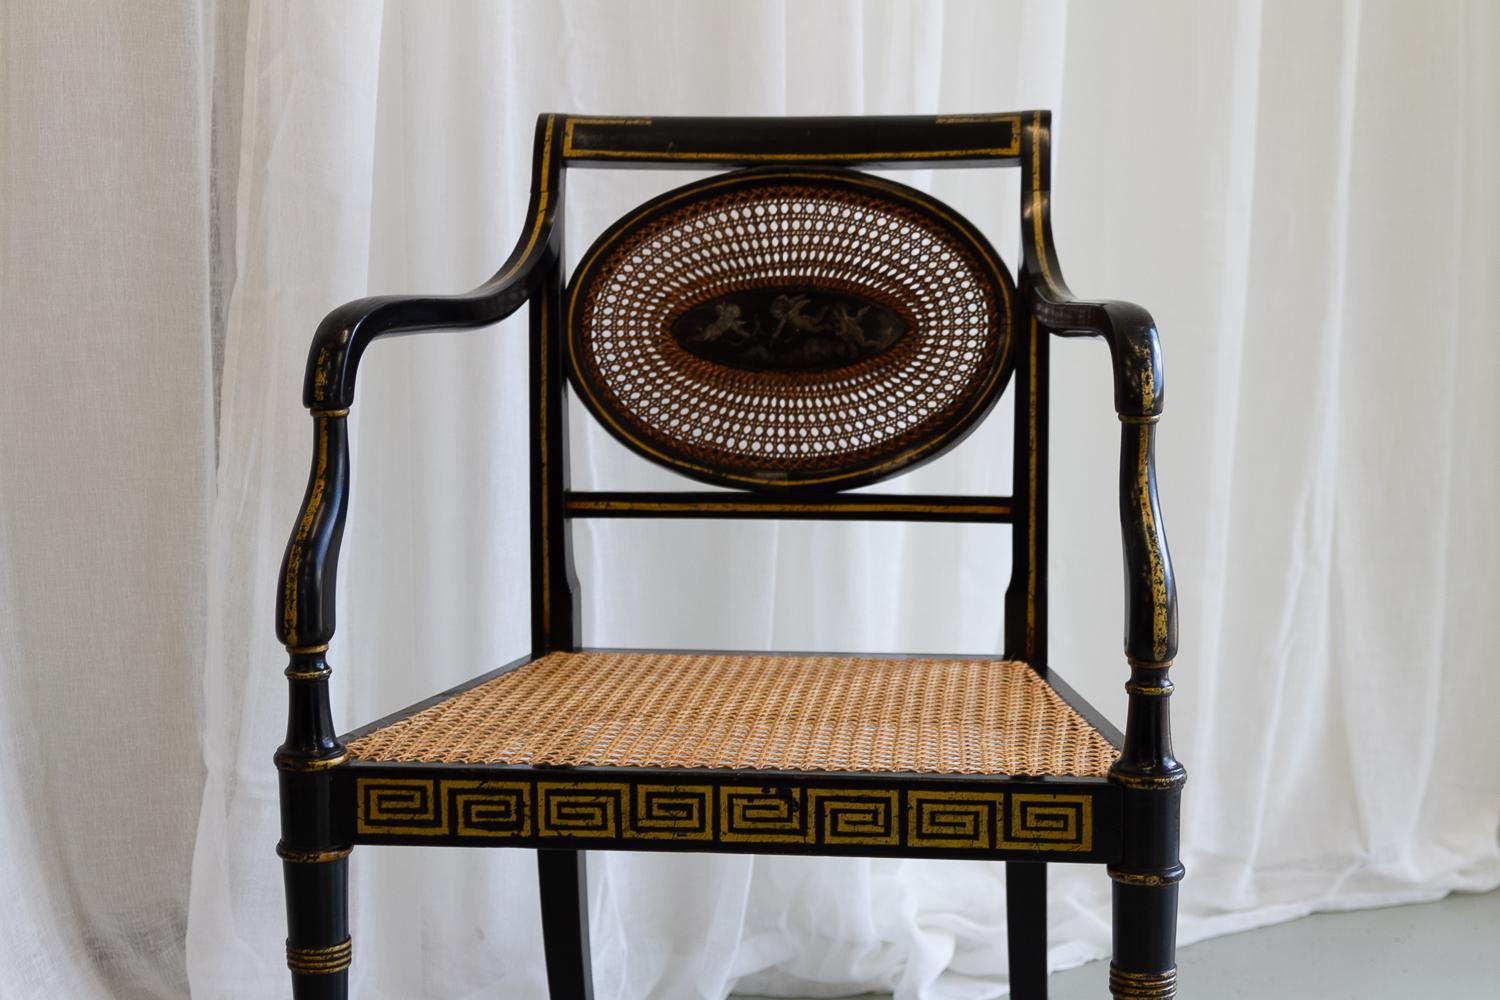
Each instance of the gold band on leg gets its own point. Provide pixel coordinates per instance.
(1151, 879)
(293, 762)
(1142, 985)
(319, 961)
(312, 857)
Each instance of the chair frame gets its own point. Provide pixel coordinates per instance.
(1129, 821)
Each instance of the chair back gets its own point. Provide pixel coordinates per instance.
(791, 329)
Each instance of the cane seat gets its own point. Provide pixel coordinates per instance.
(744, 712)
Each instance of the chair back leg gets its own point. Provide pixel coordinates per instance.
(1026, 928)
(563, 877)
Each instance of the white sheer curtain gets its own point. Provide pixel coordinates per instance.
(1301, 194)
(106, 482)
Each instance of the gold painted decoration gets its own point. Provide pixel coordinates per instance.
(745, 815)
(294, 762)
(319, 960)
(1142, 985)
(312, 857)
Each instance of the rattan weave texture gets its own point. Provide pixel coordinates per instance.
(749, 712)
(845, 236)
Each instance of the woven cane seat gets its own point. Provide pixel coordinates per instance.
(790, 328)
(735, 712)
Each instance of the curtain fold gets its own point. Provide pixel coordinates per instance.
(1300, 193)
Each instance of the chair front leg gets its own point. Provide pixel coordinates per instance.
(1144, 966)
(1147, 876)
(318, 948)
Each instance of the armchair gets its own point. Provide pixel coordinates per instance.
(791, 329)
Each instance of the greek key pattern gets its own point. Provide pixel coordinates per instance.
(729, 814)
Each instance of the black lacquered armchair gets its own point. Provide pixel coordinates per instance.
(790, 328)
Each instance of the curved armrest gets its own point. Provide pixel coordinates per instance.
(309, 568)
(344, 334)
(1131, 334)
(305, 616)
(342, 337)
(1127, 328)
(1150, 591)
(305, 611)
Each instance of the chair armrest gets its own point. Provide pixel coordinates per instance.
(342, 337)
(305, 601)
(1127, 328)
(306, 614)
(1135, 351)
(1134, 346)
(1150, 591)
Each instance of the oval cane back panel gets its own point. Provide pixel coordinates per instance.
(790, 328)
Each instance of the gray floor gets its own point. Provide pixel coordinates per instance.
(1448, 949)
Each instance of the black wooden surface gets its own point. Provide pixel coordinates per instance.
(1026, 928)
(562, 876)
(695, 143)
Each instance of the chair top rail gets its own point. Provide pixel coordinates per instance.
(697, 143)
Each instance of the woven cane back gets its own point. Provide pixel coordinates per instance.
(790, 328)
